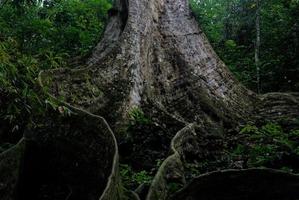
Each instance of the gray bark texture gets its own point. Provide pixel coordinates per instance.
(258, 44)
(154, 51)
(154, 56)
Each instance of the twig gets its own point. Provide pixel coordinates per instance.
(70, 192)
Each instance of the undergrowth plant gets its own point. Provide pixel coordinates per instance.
(132, 179)
(35, 37)
(268, 146)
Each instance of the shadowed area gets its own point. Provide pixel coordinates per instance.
(65, 160)
(249, 184)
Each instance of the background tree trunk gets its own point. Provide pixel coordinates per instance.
(258, 45)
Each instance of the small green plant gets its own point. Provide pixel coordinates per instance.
(173, 187)
(142, 177)
(126, 174)
(265, 145)
(239, 150)
(137, 117)
(159, 163)
(295, 134)
(260, 155)
(131, 179)
(249, 129)
(271, 129)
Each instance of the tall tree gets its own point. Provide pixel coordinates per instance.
(258, 44)
(154, 56)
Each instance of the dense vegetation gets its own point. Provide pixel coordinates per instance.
(39, 36)
(231, 28)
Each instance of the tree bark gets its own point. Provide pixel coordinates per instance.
(258, 45)
(154, 51)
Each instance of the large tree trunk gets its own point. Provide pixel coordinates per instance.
(154, 56)
(154, 51)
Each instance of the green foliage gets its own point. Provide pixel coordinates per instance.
(40, 36)
(142, 177)
(266, 145)
(131, 179)
(173, 187)
(249, 129)
(159, 163)
(230, 44)
(137, 117)
(270, 145)
(230, 27)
